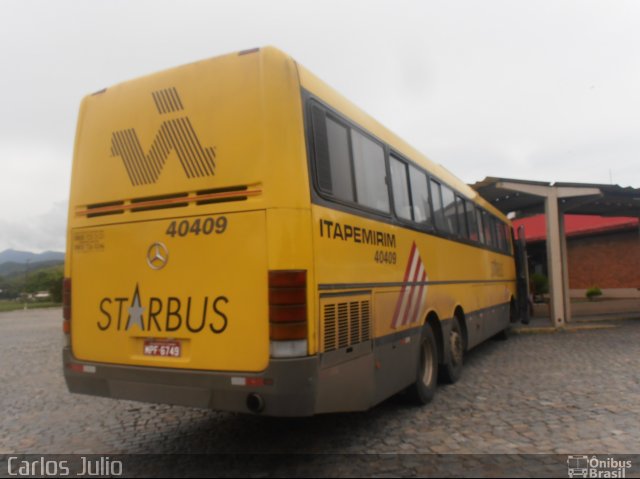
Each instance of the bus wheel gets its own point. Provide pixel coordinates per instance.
(452, 369)
(423, 390)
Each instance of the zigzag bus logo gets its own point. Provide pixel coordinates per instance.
(175, 134)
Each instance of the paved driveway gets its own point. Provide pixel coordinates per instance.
(566, 393)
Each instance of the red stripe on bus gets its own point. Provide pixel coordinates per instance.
(394, 321)
(412, 290)
(415, 309)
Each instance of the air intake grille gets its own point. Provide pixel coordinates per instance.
(346, 323)
(177, 200)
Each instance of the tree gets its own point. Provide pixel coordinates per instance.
(55, 287)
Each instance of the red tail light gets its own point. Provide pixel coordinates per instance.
(288, 305)
(66, 305)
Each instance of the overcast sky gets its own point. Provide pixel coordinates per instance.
(544, 90)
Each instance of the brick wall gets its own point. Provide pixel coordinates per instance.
(606, 261)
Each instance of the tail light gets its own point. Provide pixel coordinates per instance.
(66, 305)
(288, 313)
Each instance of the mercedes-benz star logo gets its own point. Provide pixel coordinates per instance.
(157, 256)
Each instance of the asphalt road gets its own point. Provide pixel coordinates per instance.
(566, 393)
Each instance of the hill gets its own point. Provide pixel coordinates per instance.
(24, 272)
(15, 256)
(11, 269)
(43, 276)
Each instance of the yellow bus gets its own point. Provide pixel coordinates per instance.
(243, 238)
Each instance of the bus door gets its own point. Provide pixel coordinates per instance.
(522, 276)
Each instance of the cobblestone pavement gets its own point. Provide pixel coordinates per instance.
(565, 393)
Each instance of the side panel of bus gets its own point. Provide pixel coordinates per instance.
(380, 278)
(371, 313)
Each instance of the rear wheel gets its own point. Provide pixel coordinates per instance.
(452, 369)
(423, 390)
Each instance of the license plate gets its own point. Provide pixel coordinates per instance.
(165, 349)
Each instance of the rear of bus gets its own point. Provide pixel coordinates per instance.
(189, 259)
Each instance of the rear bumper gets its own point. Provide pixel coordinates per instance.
(290, 389)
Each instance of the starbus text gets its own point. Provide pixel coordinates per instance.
(170, 314)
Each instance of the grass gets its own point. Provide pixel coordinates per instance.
(6, 305)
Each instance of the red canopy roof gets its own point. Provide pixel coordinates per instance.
(575, 225)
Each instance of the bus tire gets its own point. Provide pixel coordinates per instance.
(452, 369)
(423, 390)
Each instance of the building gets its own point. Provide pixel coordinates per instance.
(524, 198)
(601, 251)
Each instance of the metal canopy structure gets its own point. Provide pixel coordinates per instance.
(525, 198)
(611, 200)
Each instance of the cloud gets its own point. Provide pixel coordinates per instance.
(537, 90)
(37, 233)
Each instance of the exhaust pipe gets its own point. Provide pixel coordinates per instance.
(255, 403)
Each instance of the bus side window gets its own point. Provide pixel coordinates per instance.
(462, 218)
(370, 171)
(449, 208)
(503, 235)
(438, 211)
(501, 243)
(420, 197)
(509, 235)
(489, 233)
(333, 160)
(481, 237)
(471, 221)
(400, 188)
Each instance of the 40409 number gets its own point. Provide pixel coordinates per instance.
(385, 257)
(205, 226)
